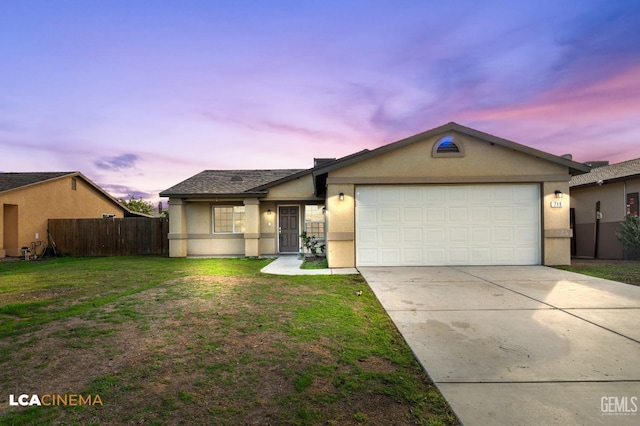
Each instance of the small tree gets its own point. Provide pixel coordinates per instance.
(629, 235)
(138, 205)
(311, 243)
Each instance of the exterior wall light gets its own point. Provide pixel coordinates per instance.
(559, 193)
(269, 212)
(341, 196)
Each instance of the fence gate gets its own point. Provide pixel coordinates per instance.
(111, 237)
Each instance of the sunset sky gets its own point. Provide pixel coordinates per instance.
(139, 95)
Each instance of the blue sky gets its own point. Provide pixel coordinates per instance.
(139, 95)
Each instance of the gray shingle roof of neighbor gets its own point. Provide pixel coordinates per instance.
(625, 169)
(15, 180)
(228, 182)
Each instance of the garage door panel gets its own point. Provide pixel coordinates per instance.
(435, 235)
(368, 235)
(458, 256)
(481, 235)
(481, 255)
(435, 214)
(412, 214)
(503, 214)
(389, 236)
(458, 214)
(457, 235)
(390, 256)
(480, 214)
(505, 255)
(502, 234)
(526, 235)
(412, 196)
(414, 256)
(524, 253)
(448, 224)
(457, 194)
(413, 235)
(435, 256)
(390, 215)
(367, 215)
(390, 197)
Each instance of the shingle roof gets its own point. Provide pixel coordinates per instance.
(616, 171)
(227, 182)
(9, 181)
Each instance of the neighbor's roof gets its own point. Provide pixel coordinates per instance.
(574, 167)
(618, 171)
(228, 183)
(9, 181)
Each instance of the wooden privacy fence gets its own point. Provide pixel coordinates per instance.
(111, 237)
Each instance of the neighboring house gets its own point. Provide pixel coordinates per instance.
(600, 200)
(449, 196)
(28, 200)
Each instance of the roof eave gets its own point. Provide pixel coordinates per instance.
(249, 194)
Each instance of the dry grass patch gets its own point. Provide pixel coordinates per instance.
(220, 349)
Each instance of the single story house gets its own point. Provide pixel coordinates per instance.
(28, 200)
(600, 200)
(448, 196)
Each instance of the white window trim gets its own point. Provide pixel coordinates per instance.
(233, 221)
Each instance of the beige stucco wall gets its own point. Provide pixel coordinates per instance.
(491, 162)
(191, 228)
(557, 234)
(296, 189)
(340, 225)
(482, 163)
(412, 164)
(52, 200)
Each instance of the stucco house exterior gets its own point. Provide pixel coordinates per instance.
(28, 200)
(448, 196)
(600, 200)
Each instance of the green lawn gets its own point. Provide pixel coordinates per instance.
(203, 341)
(625, 271)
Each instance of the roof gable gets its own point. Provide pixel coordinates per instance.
(574, 167)
(20, 180)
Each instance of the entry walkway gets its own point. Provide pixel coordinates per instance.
(520, 345)
(290, 265)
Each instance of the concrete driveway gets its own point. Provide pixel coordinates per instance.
(520, 345)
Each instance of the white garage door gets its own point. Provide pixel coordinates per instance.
(492, 224)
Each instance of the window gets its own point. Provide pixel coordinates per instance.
(314, 221)
(73, 184)
(228, 219)
(447, 147)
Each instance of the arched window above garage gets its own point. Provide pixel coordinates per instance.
(448, 146)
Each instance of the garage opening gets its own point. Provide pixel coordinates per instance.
(430, 225)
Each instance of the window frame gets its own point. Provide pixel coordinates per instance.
(323, 221)
(234, 219)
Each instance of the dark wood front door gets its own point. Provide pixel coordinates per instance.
(289, 229)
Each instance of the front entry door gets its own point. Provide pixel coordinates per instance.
(289, 230)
